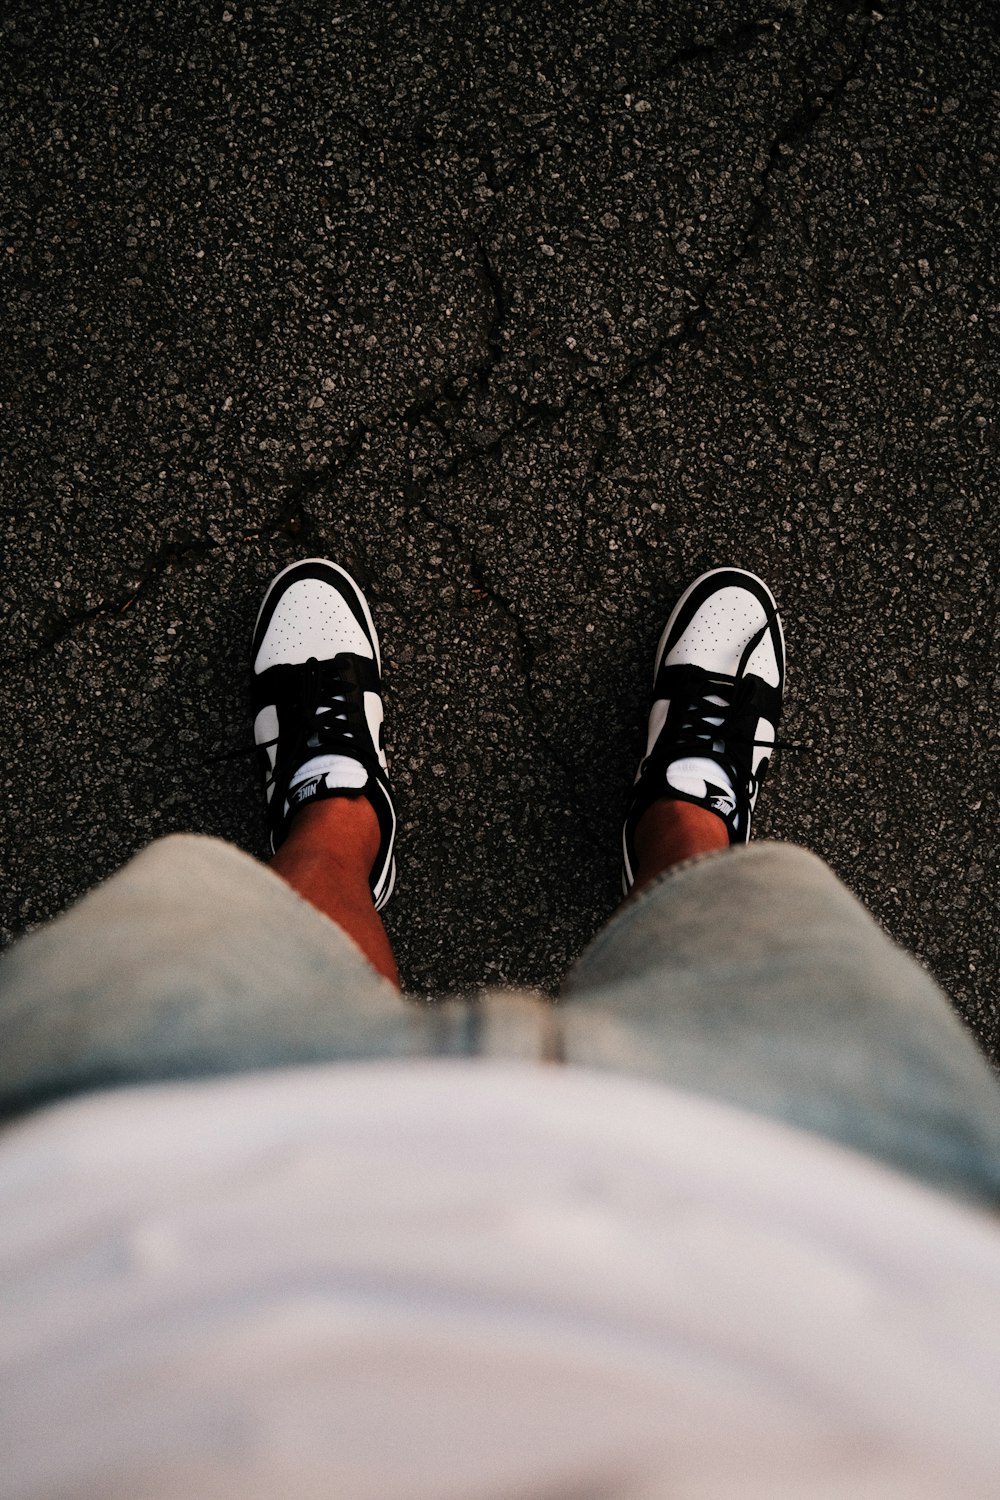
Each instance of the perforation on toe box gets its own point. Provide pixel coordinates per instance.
(717, 636)
(763, 661)
(311, 619)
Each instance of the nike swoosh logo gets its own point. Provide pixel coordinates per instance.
(720, 801)
(373, 713)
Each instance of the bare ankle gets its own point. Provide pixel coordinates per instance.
(341, 828)
(670, 831)
(327, 858)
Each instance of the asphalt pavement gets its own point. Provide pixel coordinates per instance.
(530, 315)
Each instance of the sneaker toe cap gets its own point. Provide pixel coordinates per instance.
(310, 619)
(719, 632)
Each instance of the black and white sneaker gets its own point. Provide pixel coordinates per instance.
(717, 688)
(317, 703)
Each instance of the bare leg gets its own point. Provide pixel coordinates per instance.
(327, 857)
(332, 845)
(670, 831)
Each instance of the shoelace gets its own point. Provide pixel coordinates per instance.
(326, 711)
(328, 729)
(714, 718)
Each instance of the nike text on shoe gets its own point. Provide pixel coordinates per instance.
(717, 689)
(317, 703)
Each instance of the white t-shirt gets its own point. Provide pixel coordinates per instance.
(454, 1280)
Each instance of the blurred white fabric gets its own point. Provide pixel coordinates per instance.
(453, 1279)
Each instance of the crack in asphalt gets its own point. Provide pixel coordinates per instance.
(454, 396)
(604, 399)
(524, 650)
(742, 38)
(293, 517)
(796, 130)
(739, 39)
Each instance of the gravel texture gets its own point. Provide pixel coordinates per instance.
(530, 316)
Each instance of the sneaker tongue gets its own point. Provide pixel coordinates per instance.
(314, 741)
(339, 771)
(704, 779)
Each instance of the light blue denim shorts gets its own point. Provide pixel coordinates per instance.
(751, 976)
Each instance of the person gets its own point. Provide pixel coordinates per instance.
(719, 1222)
